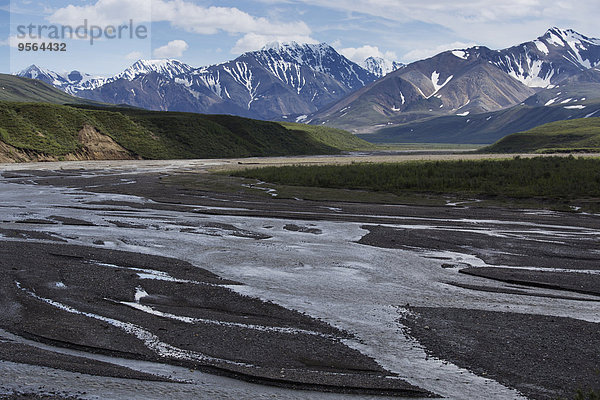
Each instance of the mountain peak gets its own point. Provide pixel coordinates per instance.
(158, 61)
(42, 74)
(166, 67)
(561, 37)
(380, 66)
(563, 32)
(32, 68)
(286, 61)
(157, 64)
(281, 47)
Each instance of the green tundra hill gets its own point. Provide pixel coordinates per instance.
(43, 131)
(577, 135)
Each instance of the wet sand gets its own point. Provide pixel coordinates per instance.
(355, 298)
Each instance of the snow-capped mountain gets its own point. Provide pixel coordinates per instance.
(549, 59)
(167, 68)
(380, 66)
(465, 82)
(42, 74)
(280, 59)
(64, 81)
(280, 80)
(75, 82)
(314, 83)
(441, 85)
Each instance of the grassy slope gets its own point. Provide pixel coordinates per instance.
(571, 135)
(14, 88)
(52, 130)
(333, 137)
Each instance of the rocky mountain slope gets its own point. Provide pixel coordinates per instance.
(463, 82)
(485, 128)
(575, 97)
(275, 82)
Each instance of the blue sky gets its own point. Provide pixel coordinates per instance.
(203, 32)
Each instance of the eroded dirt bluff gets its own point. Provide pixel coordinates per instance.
(94, 145)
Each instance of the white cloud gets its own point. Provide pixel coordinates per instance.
(490, 22)
(211, 20)
(420, 54)
(174, 48)
(496, 24)
(104, 12)
(360, 54)
(188, 16)
(134, 55)
(436, 11)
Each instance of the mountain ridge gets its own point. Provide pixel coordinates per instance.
(313, 83)
(279, 80)
(518, 73)
(380, 66)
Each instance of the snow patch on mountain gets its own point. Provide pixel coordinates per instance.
(435, 79)
(243, 75)
(213, 82)
(530, 72)
(569, 35)
(287, 72)
(541, 47)
(554, 39)
(461, 54)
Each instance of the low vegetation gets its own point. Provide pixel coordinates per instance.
(562, 178)
(578, 135)
(333, 137)
(587, 395)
